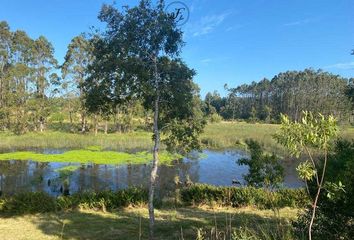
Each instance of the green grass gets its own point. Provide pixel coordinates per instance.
(115, 141)
(90, 156)
(129, 223)
(224, 135)
(233, 134)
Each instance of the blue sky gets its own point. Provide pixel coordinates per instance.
(228, 41)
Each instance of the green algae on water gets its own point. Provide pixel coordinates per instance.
(66, 170)
(92, 155)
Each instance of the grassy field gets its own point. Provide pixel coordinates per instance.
(216, 136)
(181, 223)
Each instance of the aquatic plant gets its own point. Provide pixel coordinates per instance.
(91, 156)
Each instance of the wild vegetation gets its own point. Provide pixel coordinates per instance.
(125, 96)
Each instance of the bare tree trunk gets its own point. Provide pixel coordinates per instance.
(41, 127)
(41, 124)
(106, 127)
(155, 161)
(96, 124)
(83, 122)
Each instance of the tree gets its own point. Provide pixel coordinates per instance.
(264, 170)
(291, 93)
(313, 134)
(137, 58)
(43, 63)
(77, 59)
(335, 211)
(5, 58)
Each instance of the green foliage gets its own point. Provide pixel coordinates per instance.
(199, 194)
(286, 93)
(39, 202)
(215, 118)
(335, 212)
(306, 171)
(29, 202)
(312, 132)
(183, 136)
(26, 72)
(57, 117)
(264, 170)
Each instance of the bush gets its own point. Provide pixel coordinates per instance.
(199, 194)
(39, 202)
(196, 194)
(335, 211)
(29, 202)
(215, 118)
(264, 170)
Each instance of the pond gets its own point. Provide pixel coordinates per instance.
(217, 168)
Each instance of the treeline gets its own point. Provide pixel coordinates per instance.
(35, 90)
(289, 93)
(27, 80)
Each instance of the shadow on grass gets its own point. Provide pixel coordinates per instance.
(130, 223)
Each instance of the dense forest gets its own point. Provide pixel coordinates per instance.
(36, 90)
(289, 93)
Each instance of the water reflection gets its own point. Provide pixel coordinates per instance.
(217, 168)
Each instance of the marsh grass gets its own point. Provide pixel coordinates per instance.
(135, 141)
(217, 136)
(132, 223)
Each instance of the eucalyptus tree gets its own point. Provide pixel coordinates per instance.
(43, 63)
(137, 58)
(291, 93)
(74, 71)
(5, 58)
(19, 81)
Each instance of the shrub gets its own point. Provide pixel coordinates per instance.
(29, 202)
(335, 211)
(199, 194)
(39, 202)
(215, 118)
(264, 170)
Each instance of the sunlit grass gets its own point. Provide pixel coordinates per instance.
(129, 223)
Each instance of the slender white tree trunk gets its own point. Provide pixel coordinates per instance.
(106, 127)
(96, 124)
(155, 161)
(314, 206)
(83, 122)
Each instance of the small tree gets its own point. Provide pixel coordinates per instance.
(311, 136)
(264, 170)
(137, 58)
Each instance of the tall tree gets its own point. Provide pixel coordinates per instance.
(137, 57)
(5, 61)
(43, 63)
(77, 58)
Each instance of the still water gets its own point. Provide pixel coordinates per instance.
(216, 168)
